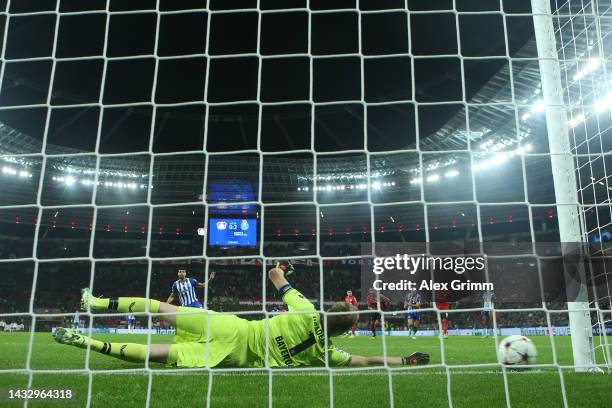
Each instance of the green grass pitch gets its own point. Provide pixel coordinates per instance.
(420, 387)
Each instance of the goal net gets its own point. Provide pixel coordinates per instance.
(141, 138)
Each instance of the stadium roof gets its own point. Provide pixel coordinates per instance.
(492, 122)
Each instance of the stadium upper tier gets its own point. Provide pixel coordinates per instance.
(500, 132)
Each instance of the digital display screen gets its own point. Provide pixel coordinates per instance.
(232, 232)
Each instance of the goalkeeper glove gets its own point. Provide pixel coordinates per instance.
(416, 358)
(286, 267)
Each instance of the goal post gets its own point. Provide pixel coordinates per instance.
(564, 180)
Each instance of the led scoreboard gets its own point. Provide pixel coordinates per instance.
(232, 232)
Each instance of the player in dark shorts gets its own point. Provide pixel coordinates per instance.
(376, 318)
(442, 304)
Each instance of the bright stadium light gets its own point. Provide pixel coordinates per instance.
(416, 180)
(500, 158)
(591, 66)
(538, 106)
(604, 103)
(451, 173)
(9, 170)
(70, 180)
(433, 178)
(376, 185)
(576, 120)
(523, 149)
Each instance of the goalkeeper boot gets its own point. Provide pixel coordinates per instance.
(416, 358)
(67, 336)
(286, 267)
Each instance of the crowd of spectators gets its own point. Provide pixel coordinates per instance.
(237, 287)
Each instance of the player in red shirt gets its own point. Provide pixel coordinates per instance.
(349, 298)
(375, 318)
(442, 297)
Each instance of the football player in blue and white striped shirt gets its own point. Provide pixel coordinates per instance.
(131, 323)
(76, 320)
(412, 303)
(185, 289)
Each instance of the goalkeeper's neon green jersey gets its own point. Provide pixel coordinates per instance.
(294, 339)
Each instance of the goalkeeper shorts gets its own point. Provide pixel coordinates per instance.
(208, 339)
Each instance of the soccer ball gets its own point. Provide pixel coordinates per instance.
(517, 350)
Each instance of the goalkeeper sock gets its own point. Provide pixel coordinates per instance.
(127, 304)
(135, 353)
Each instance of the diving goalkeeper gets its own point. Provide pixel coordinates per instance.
(208, 339)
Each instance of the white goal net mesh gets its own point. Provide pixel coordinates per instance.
(324, 126)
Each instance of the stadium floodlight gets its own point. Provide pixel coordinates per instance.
(376, 185)
(604, 103)
(592, 65)
(500, 158)
(482, 165)
(433, 178)
(538, 106)
(9, 170)
(70, 180)
(576, 120)
(451, 173)
(523, 149)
